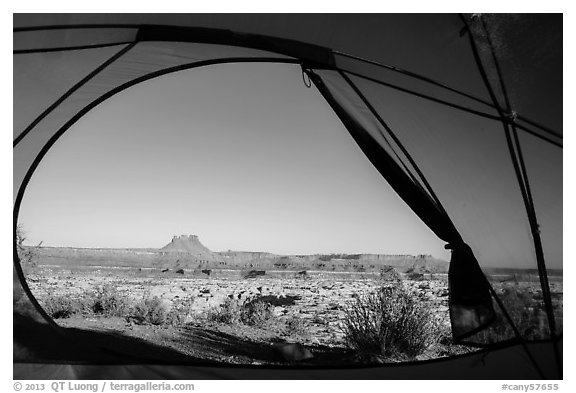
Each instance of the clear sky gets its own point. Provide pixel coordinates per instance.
(244, 156)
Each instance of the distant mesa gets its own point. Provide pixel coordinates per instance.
(189, 244)
(186, 252)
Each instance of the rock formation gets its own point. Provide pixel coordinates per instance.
(189, 244)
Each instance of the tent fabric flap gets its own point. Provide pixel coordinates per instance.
(471, 306)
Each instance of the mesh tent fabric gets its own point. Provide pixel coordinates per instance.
(525, 68)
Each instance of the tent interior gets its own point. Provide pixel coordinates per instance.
(458, 116)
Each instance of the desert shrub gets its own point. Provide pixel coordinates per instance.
(28, 255)
(179, 311)
(227, 313)
(149, 310)
(106, 300)
(390, 322)
(60, 306)
(252, 312)
(257, 313)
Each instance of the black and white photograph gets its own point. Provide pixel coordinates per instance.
(323, 196)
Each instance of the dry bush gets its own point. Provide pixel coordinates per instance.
(149, 310)
(257, 313)
(106, 300)
(252, 312)
(227, 313)
(28, 255)
(60, 306)
(390, 322)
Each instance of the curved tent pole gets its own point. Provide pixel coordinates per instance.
(522, 178)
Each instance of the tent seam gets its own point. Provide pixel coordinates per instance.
(71, 91)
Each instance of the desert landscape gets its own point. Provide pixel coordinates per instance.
(260, 308)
